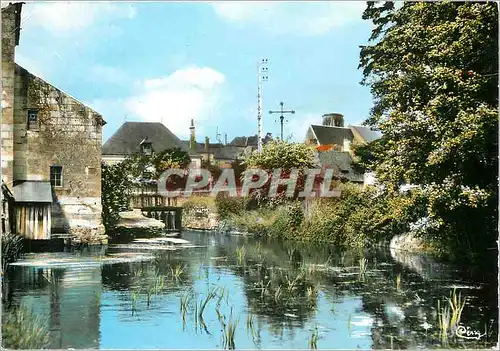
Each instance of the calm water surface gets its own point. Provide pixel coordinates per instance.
(278, 294)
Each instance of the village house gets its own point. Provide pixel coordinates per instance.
(51, 152)
(333, 143)
(217, 154)
(146, 137)
(139, 138)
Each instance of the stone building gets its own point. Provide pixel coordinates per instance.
(51, 150)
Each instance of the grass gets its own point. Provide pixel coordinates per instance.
(22, 329)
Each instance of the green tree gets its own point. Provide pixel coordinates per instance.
(118, 180)
(281, 154)
(433, 71)
(285, 156)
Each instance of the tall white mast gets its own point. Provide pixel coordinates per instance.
(261, 76)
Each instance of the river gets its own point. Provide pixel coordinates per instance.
(276, 295)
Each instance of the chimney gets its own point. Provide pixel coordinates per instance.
(333, 120)
(207, 149)
(225, 138)
(192, 138)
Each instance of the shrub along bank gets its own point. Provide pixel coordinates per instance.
(358, 218)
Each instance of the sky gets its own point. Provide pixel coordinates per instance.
(170, 62)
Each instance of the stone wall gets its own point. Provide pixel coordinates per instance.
(10, 15)
(68, 134)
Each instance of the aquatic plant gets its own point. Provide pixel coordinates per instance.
(362, 268)
(398, 282)
(211, 293)
(277, 293)
(185, 299)
(229, 332)
(443, 322)
(177, 271)
(12, 247)
(314, 339)
(457, 305)
(449, 315)
(241, 254)
(22, 329)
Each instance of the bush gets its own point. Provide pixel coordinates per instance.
(255, 222)
(227, 206)
(199, 202)
(289, 218)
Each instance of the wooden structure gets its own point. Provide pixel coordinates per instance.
(32, 209)
(170, 215)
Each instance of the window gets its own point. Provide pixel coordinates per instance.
(56, 176)
(32, 119)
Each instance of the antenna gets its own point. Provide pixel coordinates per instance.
(281, 112)
(218, 136)
(261, 77)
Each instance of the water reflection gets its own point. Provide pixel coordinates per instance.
(279, 293)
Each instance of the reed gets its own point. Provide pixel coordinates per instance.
(312, 293)
(241, 254)
(457, 305)
(398, 282)
(250, 325)
(278, 293)
(23, 329)
(443, 322)
(211, 293)
(362, 268)
(177, 271)
(449, 315)
(314, 339)
(150, 290)
(133, 298)
(229, 332)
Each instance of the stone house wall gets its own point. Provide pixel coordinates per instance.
(68, 134)
(10, 17)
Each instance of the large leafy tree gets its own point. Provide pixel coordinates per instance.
(433, 71)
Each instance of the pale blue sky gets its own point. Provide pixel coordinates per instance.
(172, 61)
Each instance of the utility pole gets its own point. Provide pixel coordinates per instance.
(281, 112)
(262, 76)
